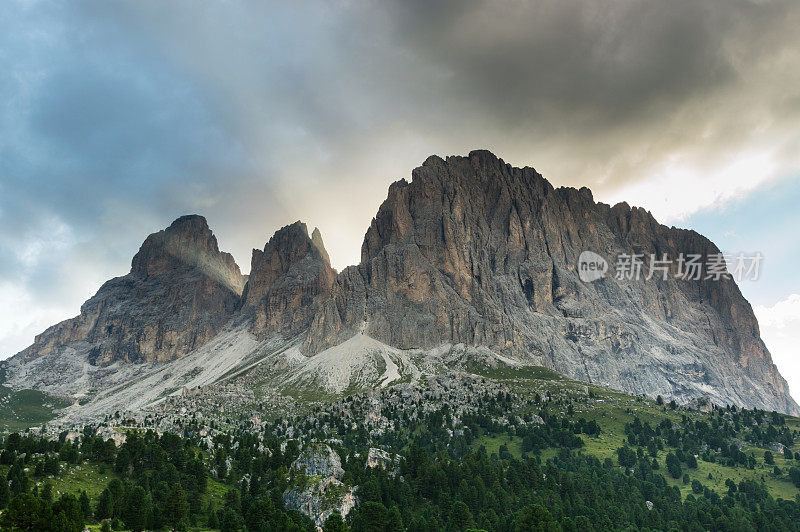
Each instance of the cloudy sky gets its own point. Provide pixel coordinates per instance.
(118, 117)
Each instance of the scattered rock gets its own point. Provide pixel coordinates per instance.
(382, 459)
(702, 404)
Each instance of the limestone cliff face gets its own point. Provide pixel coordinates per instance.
(179, 293)
(472, 251)
(476, 252)
(287, 282)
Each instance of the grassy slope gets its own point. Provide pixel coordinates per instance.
(614, 409)
(26, 408)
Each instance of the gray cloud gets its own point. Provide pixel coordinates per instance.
(617, 85)
(122, 116)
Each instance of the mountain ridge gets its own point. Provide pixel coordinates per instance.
(420, 256)
(476, 253)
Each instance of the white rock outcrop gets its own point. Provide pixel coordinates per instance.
(317, 490)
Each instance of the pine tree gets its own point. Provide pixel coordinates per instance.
(86, 509)
(47, 493)
(334, 523)
(24, 512)
(395, 521)
(373, 516)
(673, 465)
(461, 517)
(67, 511)
(4, 493)
(535, 519)
(212, 520)
(136, 509)
(175, 507)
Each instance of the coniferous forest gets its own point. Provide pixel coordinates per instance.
(510, 465)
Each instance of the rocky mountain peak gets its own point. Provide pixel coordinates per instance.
(472, 255)
(287, 280)
(186, 244)
(316, 239)
(479, 253)
(180, 292)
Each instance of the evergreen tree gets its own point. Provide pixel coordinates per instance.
(395, 520)
(25, 513)
(673, 465)
(175, 507)
(460, 516)
(86, 508)
(105, 506)
(68, 513)
(4, 493)
(372, 517)
(229, 520)
(334, 523)
(626, 456)
(136, 509)
(535, 518)
(212, 520)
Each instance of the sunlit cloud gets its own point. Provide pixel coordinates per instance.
(780, 324)
(679, 186)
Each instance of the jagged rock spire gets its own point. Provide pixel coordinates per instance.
(287, 280)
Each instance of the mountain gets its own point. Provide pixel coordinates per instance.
(474, 251)
(179, 293)
(288, 280)
(474, 263)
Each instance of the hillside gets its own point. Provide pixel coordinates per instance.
(488, 451)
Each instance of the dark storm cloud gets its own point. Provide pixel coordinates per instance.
(606, 59)
(612, 81)
(587, 91)
(118, 117)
